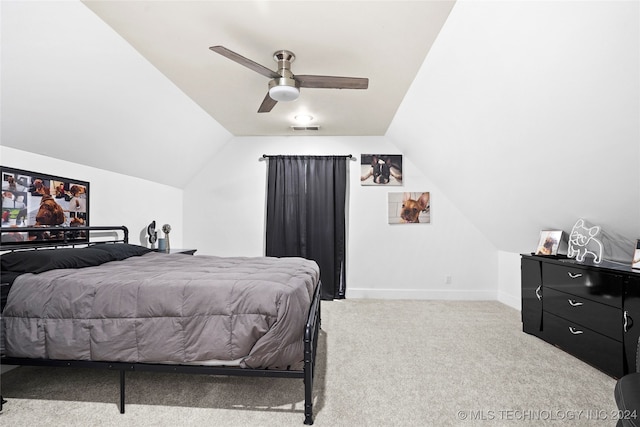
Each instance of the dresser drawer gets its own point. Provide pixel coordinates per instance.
(601, 318)
(594, 348)
(583, 282)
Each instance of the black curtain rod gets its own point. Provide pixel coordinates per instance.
(266, 156)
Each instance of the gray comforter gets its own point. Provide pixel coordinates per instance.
(166, 309)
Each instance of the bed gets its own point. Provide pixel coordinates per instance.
(111, 305)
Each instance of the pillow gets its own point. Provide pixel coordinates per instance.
(121, 251)
(48, 259)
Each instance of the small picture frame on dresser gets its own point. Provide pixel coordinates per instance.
(550, 243)
(635, 262)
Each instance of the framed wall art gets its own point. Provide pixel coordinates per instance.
(32, 199)
(381, 169)
(635, 263)
(549, 242)
(410, 208)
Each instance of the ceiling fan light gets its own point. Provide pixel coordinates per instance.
(303, 118)
(284, 93)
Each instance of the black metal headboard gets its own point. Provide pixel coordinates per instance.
(64, 236)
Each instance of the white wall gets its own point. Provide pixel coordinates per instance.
(114, 199)
(526, 114)
(509, 286)
(227, 200)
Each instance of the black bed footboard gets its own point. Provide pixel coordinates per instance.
(311, 333)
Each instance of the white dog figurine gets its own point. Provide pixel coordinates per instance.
(582, 241)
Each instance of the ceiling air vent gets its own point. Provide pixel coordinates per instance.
(305, 127)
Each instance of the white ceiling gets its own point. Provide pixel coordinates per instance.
(385, 41)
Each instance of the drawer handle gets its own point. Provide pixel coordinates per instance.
(538, 293)
(574, 303)
(628, 321)
(574, 275)
(575, 331)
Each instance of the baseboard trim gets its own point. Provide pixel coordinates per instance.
(510, 300)
(435, 294)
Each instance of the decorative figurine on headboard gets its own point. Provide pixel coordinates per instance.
(153, 234)
(166, 229)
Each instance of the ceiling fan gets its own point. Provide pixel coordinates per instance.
(284, 85)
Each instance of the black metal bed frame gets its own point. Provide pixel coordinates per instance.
(311, 333)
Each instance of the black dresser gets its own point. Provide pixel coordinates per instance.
(590, 311)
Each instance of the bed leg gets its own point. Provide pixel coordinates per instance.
(309, 362)
(308, 401)
(122, 391)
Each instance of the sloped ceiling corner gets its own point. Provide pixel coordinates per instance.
(73, 89)
(527, 115)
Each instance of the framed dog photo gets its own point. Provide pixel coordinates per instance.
(550, 242)
(381, 169)
(32, 199)
(410, 208)
(635, 263)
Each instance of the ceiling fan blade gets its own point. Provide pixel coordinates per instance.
(245, 61)
(330, 82)
(267, 104)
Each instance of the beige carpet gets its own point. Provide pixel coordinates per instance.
(381, 363)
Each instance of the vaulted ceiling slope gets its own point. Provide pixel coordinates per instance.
(527, 116)
(73, 89)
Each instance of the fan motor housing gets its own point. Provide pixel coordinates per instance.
(284, 55)
(283, 81)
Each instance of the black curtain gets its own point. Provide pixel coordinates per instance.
(306, 214)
